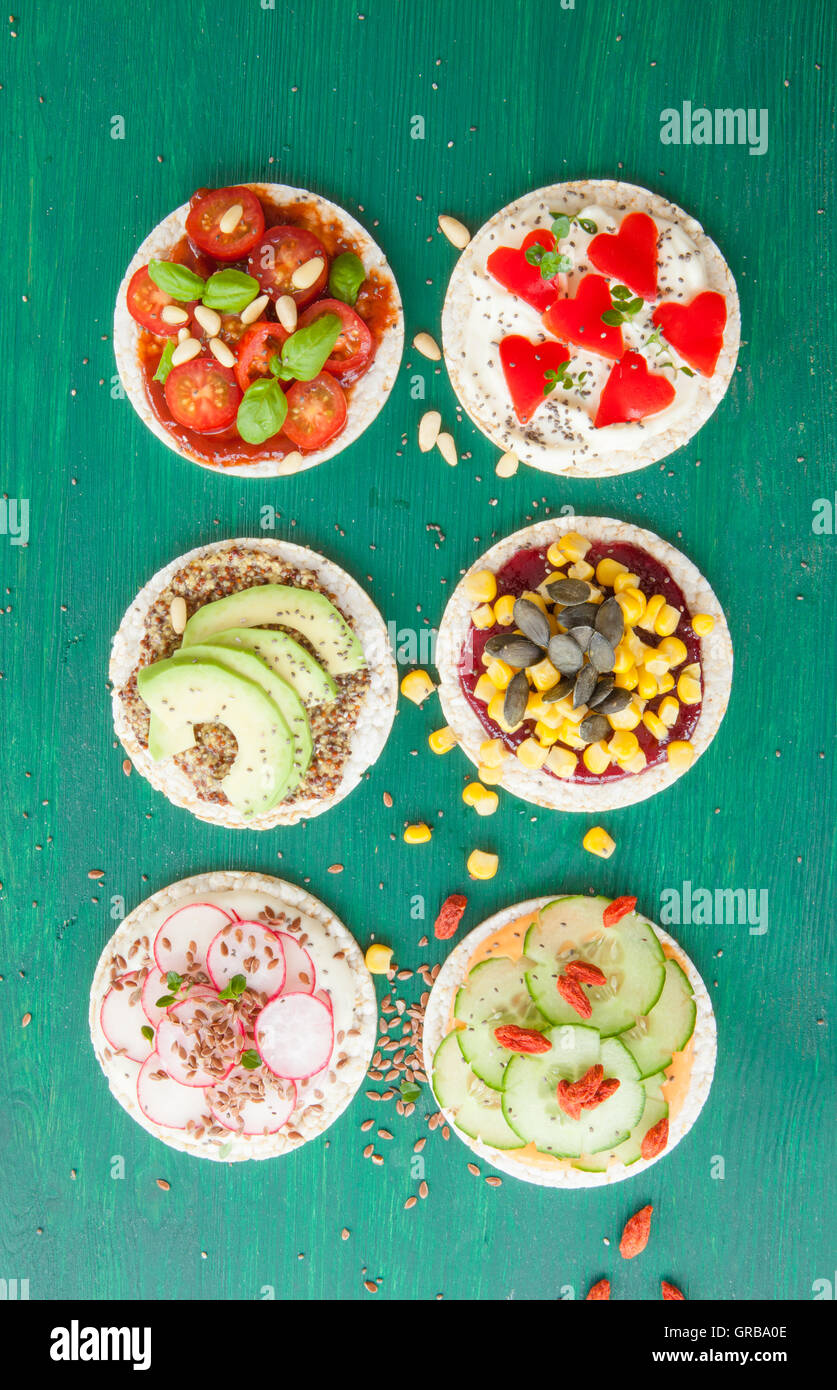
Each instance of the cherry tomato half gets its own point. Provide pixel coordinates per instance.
(146, 301)
(316, 412)
(258, 345)
(352, 352)
(282, 251)
(203, 223)
(202, 395)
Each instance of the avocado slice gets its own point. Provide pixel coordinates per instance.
(302, 610)
(181, 692)
(251, 667)
(287, 658)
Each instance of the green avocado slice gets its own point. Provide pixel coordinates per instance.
(287, 658)
(301, 610)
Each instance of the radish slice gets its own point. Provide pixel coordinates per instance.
(163, 1100)
(122, 1018)
(300, 975)
(154, 987)
(182, 941)
(251, 950)
(295, 1035)
(252, 1102)
(199, 1041)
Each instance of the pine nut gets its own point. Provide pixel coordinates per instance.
(456, 232)
(447, 448)
(231, 219)
(291, 462)
(429, 426)
(286, 312)
(209, 321)
(427, 346)
(507, 465)
(178, 614)
(185, 351)
(254, 309)
(183, 334)
(172, 313)
(307, 274)
(221, 352)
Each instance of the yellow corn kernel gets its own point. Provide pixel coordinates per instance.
(622, 745)
(552, 717)
(490, 775)
(632, 603)
(535, 706)
(653, 608)
(562, 762)
(499, 672)
(569, 734)
(504, 610)
(485, 690)
(665, 683)
(493, 752)
(702, 624)
(442, 740)
(688, 689)
(543, 675)
(484, 802)
(378, 958)
(673, 650)
(581, 570)
(536, 598)
(669, 711)
(545, 735)
(575, 715)
(623, 658)
(681, 753)
(627, 680)
(483, 616)
(418, 834)
(637, 763)
(416, 686)
(555, 556)
(551, 579)
(596, 757)
(481, 586)
(646, 686)
(607, 570)
(667, 620)
(655, 726)
(574, 546)
(625, 580)
(481, 864)
(597, 841)
(627, 718)
(531, 754)
(655, 664)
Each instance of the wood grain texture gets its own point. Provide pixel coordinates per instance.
(513, 96)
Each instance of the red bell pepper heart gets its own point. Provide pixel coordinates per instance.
(511, 269)
(696, 329)
(579, 320)
(630, 255)
(631, 392)
(525, 366)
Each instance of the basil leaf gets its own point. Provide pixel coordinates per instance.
(177, 280)
(612, 317)
(535, 253)
(560, 227)
(306, 352)
(620, 292)
(261, 414)
(147, 1032)
(164, 1001)
(634, 305)
(230, 291)
(251, 1059)
(346, 277)
(164, 365)
(587, 226)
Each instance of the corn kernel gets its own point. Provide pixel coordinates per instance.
(637, 763)
(490, 775)
(669, 711)
(418, 834)
(545, 735)
(416, 686)
(625, 580)
(544, 675)
(483, 616)
(702, 624)
(576, 714)
(681, 754)
(551, 579)
(623, 658)
(493, 752)
(552, 717)
(622, 745)
(555, 556)
(655, 726)
(607, 570)
(688, 689)
(481, 586)
(562, 762)
(378, 958)
(627, 718)
(655, 664)
(581, 570)
(568, 734)
(632, 603)
(535, 707)
(574, 546)
(531, 754)
(597, 841)
(673, 650)
(665, 683)
(442, 740)
(653, 608)
(627, 680)
(504, 610)
(596, 757)
(536, 598)
(484, 802)
(646, 686)
(481, 864)
(485, 689)
(667, 620)
(500, 673)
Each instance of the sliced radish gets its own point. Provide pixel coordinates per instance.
(154, 987)
(122, 1018)
(295, 1035)
(163, 1100)
(252, 1102)
(251, 950)
(182, 941)
(199, 1040)
(300, 975)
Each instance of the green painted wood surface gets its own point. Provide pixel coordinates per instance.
(513, 96)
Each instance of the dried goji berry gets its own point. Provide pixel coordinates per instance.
(670, 1291)
(450, 915)
(567, 1100)
(655, 1139)
(521, 1039)
(636, 1233)
(586, 973)
(573, 994)
(600, 1290)
(588, 1084)
(615, 911)
(604, 1092)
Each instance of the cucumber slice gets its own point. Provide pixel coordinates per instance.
(476, 1108)
(653, 1084)
(630, 1150)
(495, 992)
(629, 954)
(530, 1103)
(666, 1029)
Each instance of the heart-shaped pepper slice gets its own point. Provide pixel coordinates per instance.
(579, 320)
(525, 366)
(511, 269)
(696, 329)
(631, 392)
(630, 255)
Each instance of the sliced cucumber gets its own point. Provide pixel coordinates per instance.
(667, 1027)
(495, 992)
(653, 1084)
(477, 1109)
(630, 1150)
(629, 954)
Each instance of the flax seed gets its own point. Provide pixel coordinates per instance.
(472, 1168)
(423, 1189)
(410, 1202)
(494, 1182)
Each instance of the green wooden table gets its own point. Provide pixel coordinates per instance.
(512, 96)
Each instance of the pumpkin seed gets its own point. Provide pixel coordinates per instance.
(617, 700)
(559, 691)
(582, 634)
(603, 689)
(601, 653)
(610, 621)
(565, 654)
(531, 621)
(568, 591)
(594, 728)
(517, 651)
(517, 695)
(495, 645)
(584, 686)
(579, 615)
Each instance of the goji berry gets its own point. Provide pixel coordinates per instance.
(521, 1039)
(600, 1290)
(585, 973)
(450, 915)
(573, 994)
(615, 911)
(670, 1291)
(604, 1092)
(636, 1233)
(567, 1100)
(655, 1139)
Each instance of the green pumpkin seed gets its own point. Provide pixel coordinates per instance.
(610, 621)
(582, 634)
(517, 695)
(617, 700)
(559, 691)
(580, 615)
(584, 686)
(594, 728)
(565, 654)
(531, 621)
(568, 591)
(603, 688)
(495, 645)
(517, 651)
(601, 653)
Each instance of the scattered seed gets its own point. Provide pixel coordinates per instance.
(507, 465)
(423, 1189)
(369, 1286)
(428, 432)
(447, 448)
(410, 1202)
(26, 1020)
(494, 1182)
(163, 1185)
(209, 321)
(286, 312)
(455, 231)
(126, 766)
(335, 868)
(427, 346)
(472, 1168)
(178, 614)
(345, 1233)
(387, 799)
(96, 873)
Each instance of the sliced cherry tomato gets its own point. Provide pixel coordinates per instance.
(259, 344)
(204, 219)
(352, 352)
(316, 411)
(146, 301)
(282, 251)
(202, 395)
